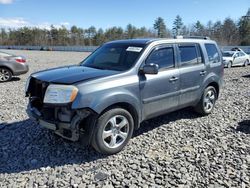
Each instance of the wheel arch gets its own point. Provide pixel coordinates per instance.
(216, 86)
(2, 66)
(127, 106)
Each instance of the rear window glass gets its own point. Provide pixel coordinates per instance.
(212, 52)
(189, 54)
(3, 54)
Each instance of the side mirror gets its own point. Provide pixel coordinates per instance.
(150, 68)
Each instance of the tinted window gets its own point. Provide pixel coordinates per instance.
(212, 52)
(189, 55)
(164, 57)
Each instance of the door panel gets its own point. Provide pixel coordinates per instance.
(159, 93)
(242, 58)
(192, 72)
(190, 83)
(237, 59)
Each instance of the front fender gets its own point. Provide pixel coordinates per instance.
(101, 100)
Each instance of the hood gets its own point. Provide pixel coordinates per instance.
(227, 58)
(71, 74)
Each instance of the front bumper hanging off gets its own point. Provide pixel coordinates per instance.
(77, 125)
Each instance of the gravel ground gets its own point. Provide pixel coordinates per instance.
(179, 149)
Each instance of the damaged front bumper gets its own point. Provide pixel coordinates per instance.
(69, 124)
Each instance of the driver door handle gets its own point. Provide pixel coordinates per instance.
(202, 73)
(173, 79)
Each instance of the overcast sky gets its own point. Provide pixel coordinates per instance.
(108, 13)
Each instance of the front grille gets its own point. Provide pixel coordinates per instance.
(36, 91)
(37, 88)
(51, 113)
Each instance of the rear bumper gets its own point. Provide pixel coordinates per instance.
(22, 68)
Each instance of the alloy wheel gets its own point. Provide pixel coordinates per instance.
(209, 100)
(4, 75)
(115, 131)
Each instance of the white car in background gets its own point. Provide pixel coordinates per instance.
(235, 58)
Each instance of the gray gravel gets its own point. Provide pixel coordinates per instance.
(180, 149)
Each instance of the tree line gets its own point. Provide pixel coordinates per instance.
(226, 32)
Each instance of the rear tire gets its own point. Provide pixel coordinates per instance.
(246, 63)
(207, 101)
(113, 130)
(5, 75)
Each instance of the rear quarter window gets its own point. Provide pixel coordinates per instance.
(213, 53)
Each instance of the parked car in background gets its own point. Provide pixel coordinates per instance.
(11, 65)
(235, 57)
(105, 98)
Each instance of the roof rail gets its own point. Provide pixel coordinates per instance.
(196, 37)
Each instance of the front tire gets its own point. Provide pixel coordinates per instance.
(207, 101)
(229, 65)
(5, 75)
(113, 130)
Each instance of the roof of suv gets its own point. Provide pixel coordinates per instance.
(145, 41)
(142, 41)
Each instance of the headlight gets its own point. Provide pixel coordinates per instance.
(60, 94)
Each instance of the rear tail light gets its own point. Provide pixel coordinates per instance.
(20, 60)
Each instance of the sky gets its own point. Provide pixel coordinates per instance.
(108, 13)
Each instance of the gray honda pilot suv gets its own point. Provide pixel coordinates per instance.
(104, 99)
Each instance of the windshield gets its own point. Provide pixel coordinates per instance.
(119, 57)
(227, 54)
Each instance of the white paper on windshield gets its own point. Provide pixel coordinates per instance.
(134, 49)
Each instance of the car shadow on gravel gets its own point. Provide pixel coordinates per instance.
(246, 76)
(243, 126)
(149, 125)
(14, 79)
(25, 146)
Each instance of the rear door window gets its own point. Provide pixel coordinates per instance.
(212, 52)
(189, 54)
